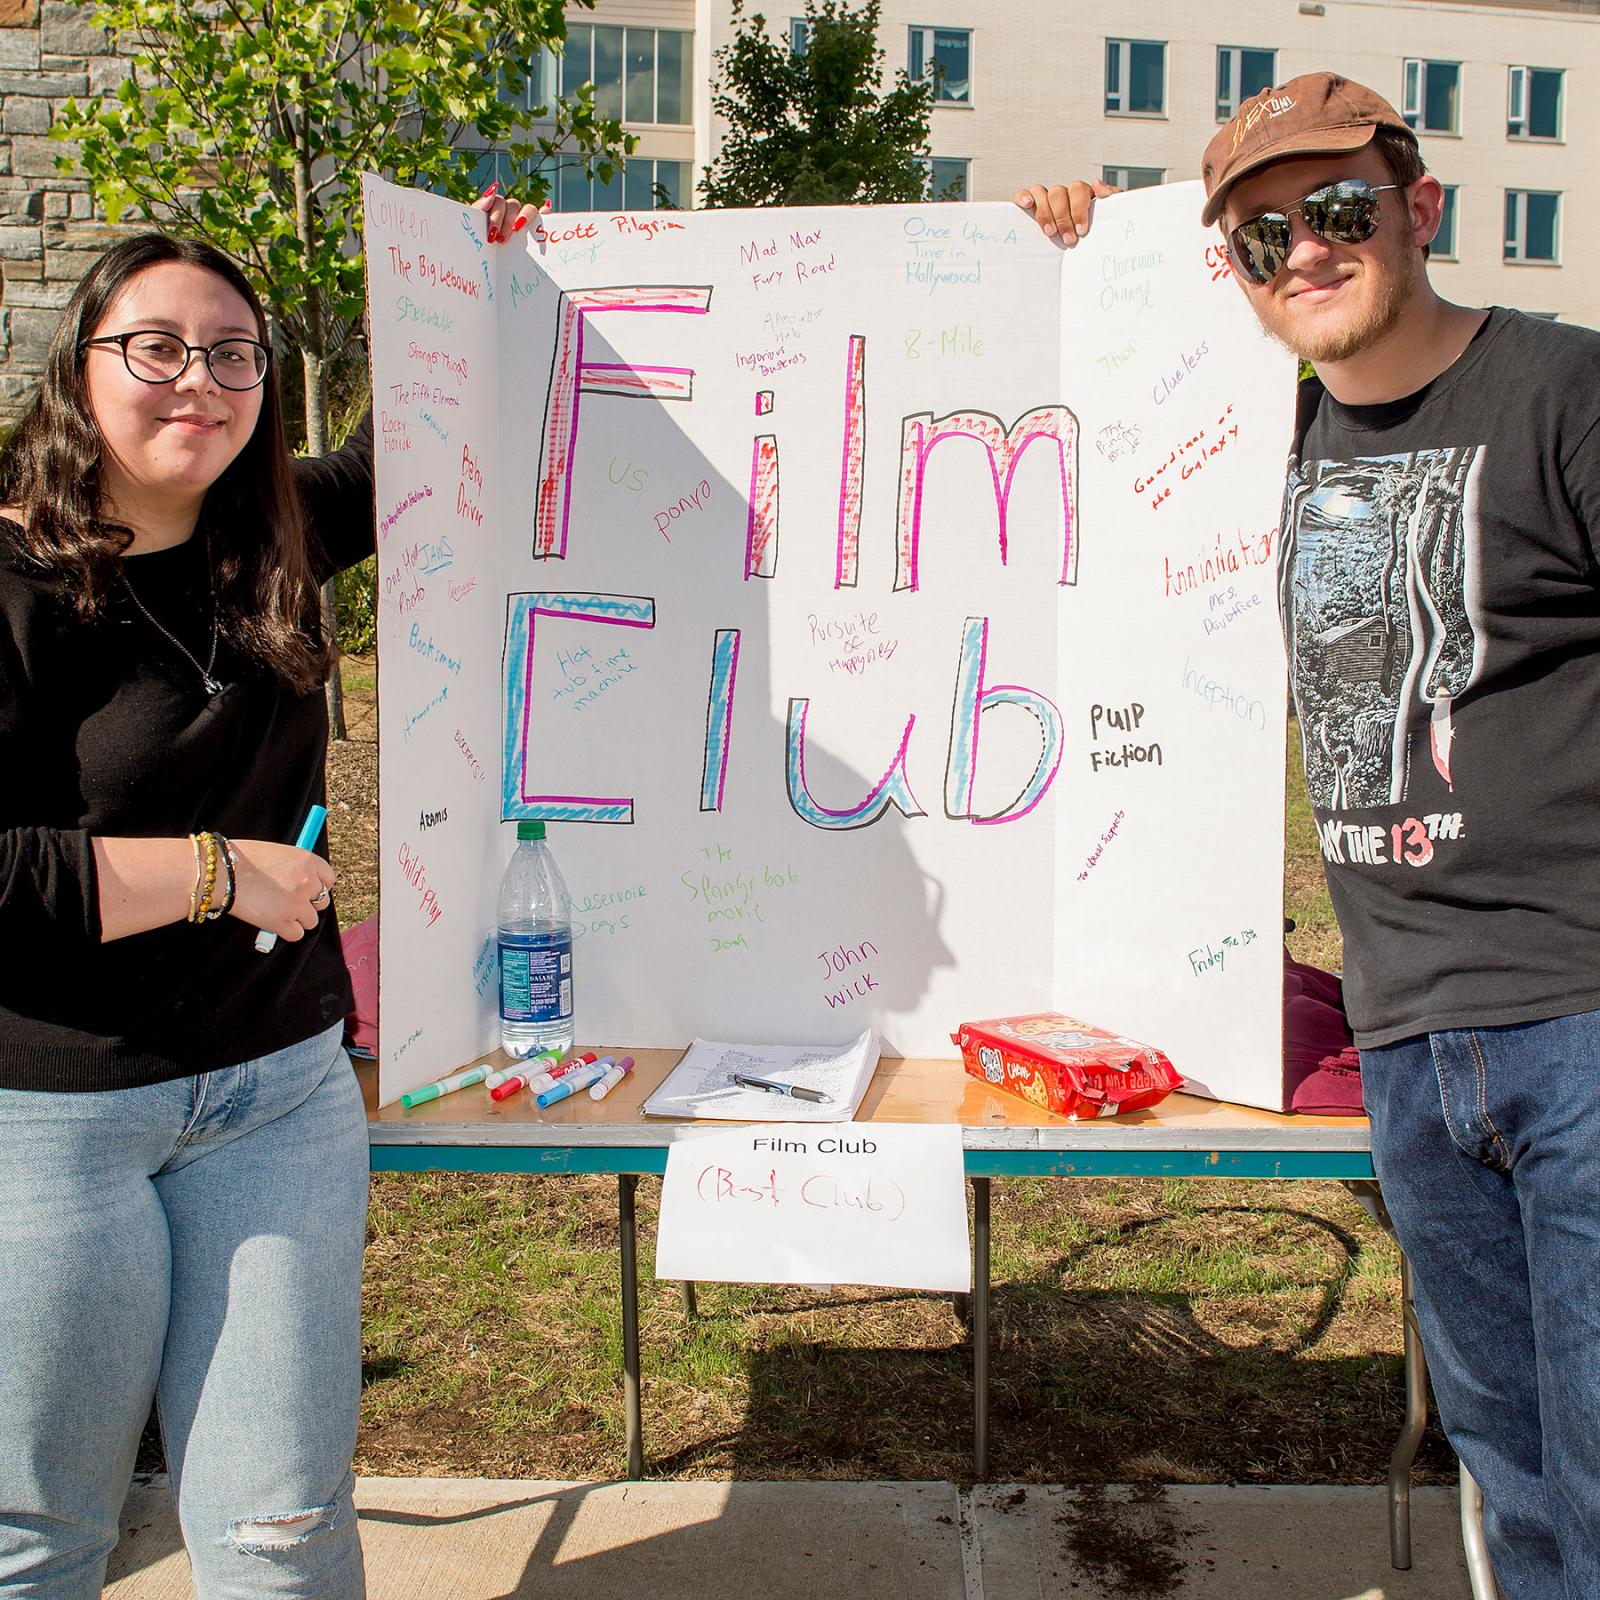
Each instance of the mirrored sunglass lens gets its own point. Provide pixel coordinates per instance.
(1260, 247)
(1342, 213)
(237, 363)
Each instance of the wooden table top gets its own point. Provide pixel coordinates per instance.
(924, 1091)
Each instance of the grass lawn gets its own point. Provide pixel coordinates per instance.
(1189, 1331)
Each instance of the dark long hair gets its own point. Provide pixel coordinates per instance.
(266, 588)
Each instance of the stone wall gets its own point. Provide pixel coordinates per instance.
(49, 229)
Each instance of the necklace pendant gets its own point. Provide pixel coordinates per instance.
(212, 686)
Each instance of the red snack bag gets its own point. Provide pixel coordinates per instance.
(1066, 1066)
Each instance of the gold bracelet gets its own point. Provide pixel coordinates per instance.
(204, 911)
(194, 893)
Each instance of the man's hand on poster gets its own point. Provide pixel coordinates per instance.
(1064, 210)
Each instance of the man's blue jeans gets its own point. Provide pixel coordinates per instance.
(198, 1240)
(1487, 1144)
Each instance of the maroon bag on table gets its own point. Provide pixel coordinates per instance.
(1321, 1065)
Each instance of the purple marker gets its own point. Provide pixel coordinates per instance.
(612, 1079)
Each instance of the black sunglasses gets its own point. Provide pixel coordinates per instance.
(1342, 213)
(154, 356)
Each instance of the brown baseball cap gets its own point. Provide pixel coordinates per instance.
(1314, 115)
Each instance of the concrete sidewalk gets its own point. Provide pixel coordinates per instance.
(471, 1539)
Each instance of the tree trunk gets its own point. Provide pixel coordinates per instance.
(317, 445)
(313, 358)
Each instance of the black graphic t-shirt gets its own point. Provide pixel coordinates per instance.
(1440, 597)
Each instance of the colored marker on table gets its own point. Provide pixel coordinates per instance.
(574, 1081)
(521, 1076)
(432, 1091)
(553, 1075)
(309, 829)
(612, 1078)
(503, 1075)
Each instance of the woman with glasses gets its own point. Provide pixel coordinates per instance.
(183, 1161)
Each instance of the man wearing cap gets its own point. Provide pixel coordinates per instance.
(1439, 584)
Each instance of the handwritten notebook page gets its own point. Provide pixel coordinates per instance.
(702, 1086)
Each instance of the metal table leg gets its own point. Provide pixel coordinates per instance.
(1405, 1451)
(627, 1186)
(1370, 1198)
(1480, 1570)
(980, 1329)
(691, 1307)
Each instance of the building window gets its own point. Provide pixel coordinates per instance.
(799, 35)
(639, 74)
(947, 178)
(1136, 77)
(540, 89)
(947, 52)
(1443, 247)
(631, 189)
(1133, 177)
(1431, 102)
(1533, 225)
(1242, 73)
(1533, 103)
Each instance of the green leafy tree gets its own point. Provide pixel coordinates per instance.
(816, 126)
(249, 122)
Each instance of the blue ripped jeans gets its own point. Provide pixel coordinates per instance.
(199, 1241)
(1487, 1145)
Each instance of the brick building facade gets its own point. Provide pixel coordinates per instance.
(49, 232)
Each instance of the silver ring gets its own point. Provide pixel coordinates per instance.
(321, 898)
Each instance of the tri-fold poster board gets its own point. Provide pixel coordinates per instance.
(876, 603)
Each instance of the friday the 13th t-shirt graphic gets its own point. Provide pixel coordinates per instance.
(1379, 575)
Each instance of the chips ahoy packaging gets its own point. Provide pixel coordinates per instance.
(1066, 1066)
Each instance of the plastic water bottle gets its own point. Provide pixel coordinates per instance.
(535, 936)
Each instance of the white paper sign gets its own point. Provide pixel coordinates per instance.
(877, 604)
(796, 1203)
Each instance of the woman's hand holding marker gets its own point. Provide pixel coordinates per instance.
(283, 889)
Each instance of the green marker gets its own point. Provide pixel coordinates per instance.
(461, 1080)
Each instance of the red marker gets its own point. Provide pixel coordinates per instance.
(540, 1079)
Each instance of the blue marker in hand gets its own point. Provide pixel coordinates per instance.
(309, 829)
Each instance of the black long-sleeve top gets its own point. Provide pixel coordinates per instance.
(107, 729)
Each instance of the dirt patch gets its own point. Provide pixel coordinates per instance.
(1132, 1547)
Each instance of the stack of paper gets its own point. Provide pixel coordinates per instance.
(702, 1084)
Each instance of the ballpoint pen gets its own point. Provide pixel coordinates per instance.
(772, 1086)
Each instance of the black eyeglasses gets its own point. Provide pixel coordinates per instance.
(153, 356)
(1342, 213)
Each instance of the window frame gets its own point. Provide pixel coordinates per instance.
(1414, 95)
(654, 163)
(964, 162)
(1235, 54)
(1124, 59)
(799, 35)
(1107, 170)
(1436, 252)
(1524, 83)
(1515, 232)
(924, 34)
(591, 31)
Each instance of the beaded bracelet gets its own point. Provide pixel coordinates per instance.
(230, 860)
(206, 879)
